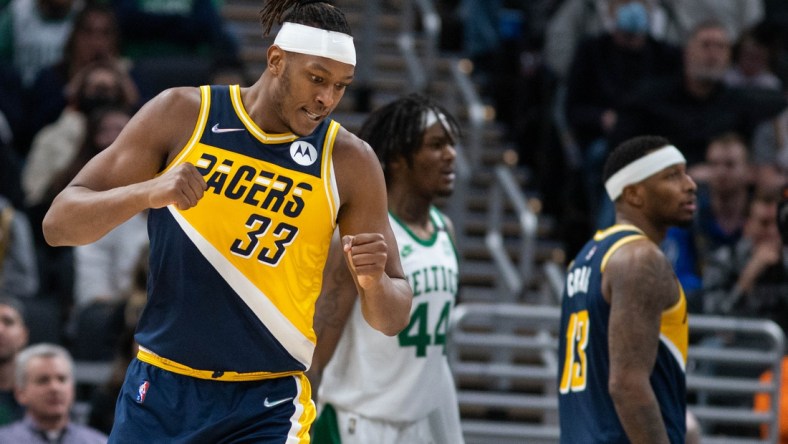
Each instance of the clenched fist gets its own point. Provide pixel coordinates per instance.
(366, 255)
(183, 186)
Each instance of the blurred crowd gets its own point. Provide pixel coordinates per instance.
(72, 73)
(570, 79)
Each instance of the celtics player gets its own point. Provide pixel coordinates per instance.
(624, 331)
(245, 187)
(397, 389)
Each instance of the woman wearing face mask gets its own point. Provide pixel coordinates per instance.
(94, 37)
(605, 70)
(54, 147)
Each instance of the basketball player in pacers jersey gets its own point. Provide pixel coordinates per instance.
(390, 390)
(246, 187)
(623, 338)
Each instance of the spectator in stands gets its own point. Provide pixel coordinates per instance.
(188, 27)
(606, 69)
(33, 34)
(763, 402)
(45, 387)
(102, 404)
(724, 193)
(173, 43)
(726, 180)
(578, 19)
(13, 338)
(101, 271)
(481, 37)
(753, 60)
(229, 71)
(737, 16)
(110, 276)
(94, 38)
(14, 123)
(770, 151)
(751, 278)
(99, 84)
(104, 268)
(10, 175)
(56, 147)
(18, 268)
(693, 107)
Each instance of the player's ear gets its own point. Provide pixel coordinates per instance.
(633, 195)
(276, 58)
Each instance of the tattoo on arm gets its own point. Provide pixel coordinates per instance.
(642, 287)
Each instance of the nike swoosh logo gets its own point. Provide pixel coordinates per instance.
(275, 403)
(216, 129)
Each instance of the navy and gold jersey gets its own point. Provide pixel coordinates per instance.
(586, 410)
(233, 281)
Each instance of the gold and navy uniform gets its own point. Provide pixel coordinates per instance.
(234, 280)
(586, 410)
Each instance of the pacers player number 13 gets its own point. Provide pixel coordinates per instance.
(575, 363)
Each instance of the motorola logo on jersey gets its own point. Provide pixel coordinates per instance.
(303, 153)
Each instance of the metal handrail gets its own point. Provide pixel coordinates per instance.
(417, 76)
(365, 72)
(420, 69)
(477, 326)
(475, 111)
(774, 355)
(505, 189)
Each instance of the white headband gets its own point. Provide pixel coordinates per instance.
(643, 168)
(318, 42)
(431, 116)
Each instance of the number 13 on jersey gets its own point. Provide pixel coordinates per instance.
(575, 362)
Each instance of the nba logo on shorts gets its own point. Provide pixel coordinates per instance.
(142, 391)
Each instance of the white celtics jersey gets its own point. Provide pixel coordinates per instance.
(401, 378)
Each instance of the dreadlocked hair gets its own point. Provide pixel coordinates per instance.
(396, 129)
(316, 13)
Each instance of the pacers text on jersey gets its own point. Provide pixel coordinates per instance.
(258, 188)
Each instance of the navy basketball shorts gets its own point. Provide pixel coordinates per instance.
(158, 406)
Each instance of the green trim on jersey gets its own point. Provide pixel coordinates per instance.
(425, 242)
(325, 430)
(437, 222)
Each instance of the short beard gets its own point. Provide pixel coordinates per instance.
(6, 359)
(445, 193)
(709, 75)
(684, 223)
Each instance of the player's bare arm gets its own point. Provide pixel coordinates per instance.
(332, 310)
(369, 244)
(639, 283)
(121, 181)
